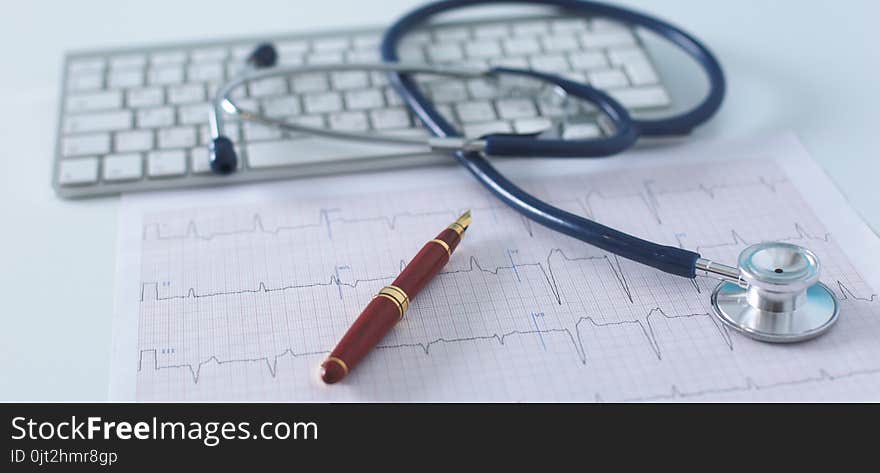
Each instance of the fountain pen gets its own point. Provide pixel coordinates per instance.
(390, 304)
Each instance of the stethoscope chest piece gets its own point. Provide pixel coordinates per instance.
(780, 298)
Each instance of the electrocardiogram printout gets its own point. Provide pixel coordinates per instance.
(240, 293)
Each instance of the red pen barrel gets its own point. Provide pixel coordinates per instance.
(391, 303)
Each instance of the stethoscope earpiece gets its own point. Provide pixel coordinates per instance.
(779, 297)
(264, 55)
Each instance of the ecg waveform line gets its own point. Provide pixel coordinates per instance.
(328, 217)
(573, 335)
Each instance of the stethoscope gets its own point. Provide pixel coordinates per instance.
(773, 294)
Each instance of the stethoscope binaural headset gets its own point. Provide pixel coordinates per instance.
(773, 294)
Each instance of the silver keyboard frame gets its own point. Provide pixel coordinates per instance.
(249, 175)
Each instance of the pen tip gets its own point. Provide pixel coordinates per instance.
(331, 372)
(465, 219)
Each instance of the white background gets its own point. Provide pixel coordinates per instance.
(806, 66)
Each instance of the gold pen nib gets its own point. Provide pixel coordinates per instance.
(462, 223)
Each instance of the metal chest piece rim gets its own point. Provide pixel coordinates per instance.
(782, 300)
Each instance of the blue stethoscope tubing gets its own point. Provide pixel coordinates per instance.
(670, 259)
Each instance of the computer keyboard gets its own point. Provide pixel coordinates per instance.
(136, 119)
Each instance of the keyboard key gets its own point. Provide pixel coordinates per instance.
(608, 78)
(88, 64)
(497, 30)
(330, 44)
(560, 43)
(188, 93)
(81, 145)
(516, 108)
(205, 72)
(85, 81)
(482, 89)
(267, 87)
(475, 112)
(327, 57)
(257, 131)
(155, 117)
(106, 121)
(580, 131)
(199, 161)
(193, 114)
(641, 73)
(568, 25)
(442, 53)
(128, 61)
(483, 49)
(549, 63)
(145, 97)
(585, 60)
(165, 75)
(521, 46)
(125, 78)
(323, 102)
(451, 33)
(532, 125)
(166, 163)
(123, 167)
(348, 80)
(621, 56)
(390, 118)
(281, 107)
(95, 101)
(78, 171)
(138, 140)
(315, 150)
(231, 130)
(364, 99)
(168, 57)
(447, 92)
(363, 55)
(177, 137)
(607, 38)
(477, 130)
(208, 54)
(348, 121)
(529, 28)
(641, 97)
(311, 82)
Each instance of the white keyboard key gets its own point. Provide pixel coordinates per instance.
(188, 93)
(105, 121)
(281, 107)
(123, 167)
(137, 140)
(125, 78)
(364, 99)
(367, 41)
(584, 60)
(177, 137)
(641, 73)
(580, 131)
(604, 24)
(194, 114)
(519, 62)
(568, 25)
(297, 46)
(155, 117)
(608, 79)
(85, 81)
(529, 28)
(348, 80)
(521, 46)
(482, 89)
(641, 97)
(446, 92)
(327, 57)
(389, 118)
(516, 108)
(549, 63)
(145, 97)
(78, 171)
(483, 49)
(314, 150)
(82, 145)
(314, 121)
(392, 98)
(165, 75)
(108, 100)
(451, 33)
(477, 130)
(532, 125)
(621, 56)
(311, 82)
(257, 131)
(323, 102)
(560, 43)
(475, 112)
(128, 61)
(89, 64)
(607, 38)
(166, 163)
(492, 30)
(268, 87)
(199, 161)
(363, 55)
(330, 44)
(348, 121)
(205, 72)
(411, 52)
(448, 52)
(208, 54)
(231, 130)
(167, 57)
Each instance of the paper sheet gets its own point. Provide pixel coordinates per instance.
(239, 293)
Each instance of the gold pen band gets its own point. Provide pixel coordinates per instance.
(443, 244)
(397, 295)
(338, 362)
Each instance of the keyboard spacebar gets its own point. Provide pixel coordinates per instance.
(316, 149)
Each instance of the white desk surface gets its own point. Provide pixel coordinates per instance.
(806, 66)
